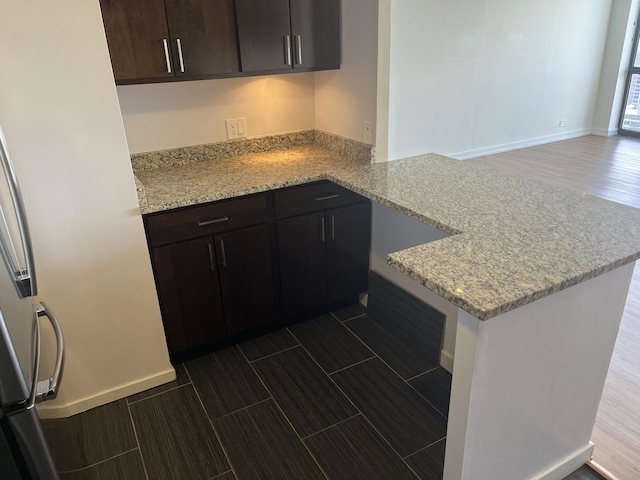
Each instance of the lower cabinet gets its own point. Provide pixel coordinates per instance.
(211, 288)
(246, 278)
(189, 292)
(324, 257)
(215, 286)
(348, 243)
(216, 265)
(303, 262)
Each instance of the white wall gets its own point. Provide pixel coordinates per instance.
(346, 98)
(60, 113)
(170, 115)
(383, 80)
(471, 76)
(614, 67)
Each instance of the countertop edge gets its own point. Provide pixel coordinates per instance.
(194, 201)
(484, 314)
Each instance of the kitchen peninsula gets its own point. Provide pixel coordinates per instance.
(539, 275)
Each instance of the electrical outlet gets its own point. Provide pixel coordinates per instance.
(232, 129)
(562, 123)
(236, 128)
(368, 133)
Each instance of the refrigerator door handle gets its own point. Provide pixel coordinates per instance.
(43, 390)
(48, 389)
(16, 197)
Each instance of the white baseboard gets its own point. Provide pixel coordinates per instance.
(446, 361)
(567, 465)
(603, 132)
(505, 147)
(46, 410)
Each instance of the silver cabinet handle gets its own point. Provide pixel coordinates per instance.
(48, 389)
(211, 222)
(224, 254)
(211, 260)
(322, 228)
(25, 280)
(299, 49)
(333, 227)
(166, 54)
(287, 50)
(180, 54)
(327, 197)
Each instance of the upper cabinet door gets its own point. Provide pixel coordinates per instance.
(265, 35)
(315, 27)
(203, 36)
(138, 38)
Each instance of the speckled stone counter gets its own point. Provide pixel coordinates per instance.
(201, 182)
(513, 240)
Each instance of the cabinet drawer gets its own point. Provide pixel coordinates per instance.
(312, 198)
(206, 220)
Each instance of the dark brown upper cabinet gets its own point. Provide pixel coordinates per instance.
(137, 33)
(204, 37)
(160, 40)
(288, 34)
(315, 27)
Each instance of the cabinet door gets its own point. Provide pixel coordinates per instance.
(302, 254)
(348, 240)
(136, 31)
(315, 26)
(189, 293)
(263, 30)
(246, 278)
(203, 36)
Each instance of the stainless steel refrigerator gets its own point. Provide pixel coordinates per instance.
(24, 453)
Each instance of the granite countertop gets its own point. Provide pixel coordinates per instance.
(513, 240)
(201, 182)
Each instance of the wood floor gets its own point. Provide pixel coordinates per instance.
(608, 168)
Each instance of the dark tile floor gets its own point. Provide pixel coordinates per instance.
(316, 400)
(310, 401)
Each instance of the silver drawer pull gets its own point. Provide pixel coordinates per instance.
(328, 197)
(287, 50)
(211, 260)
(166, 54)
(333, 227)
(211, 222)
(179, 42)
(224, 254)
(323, 236)
(299, 49)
